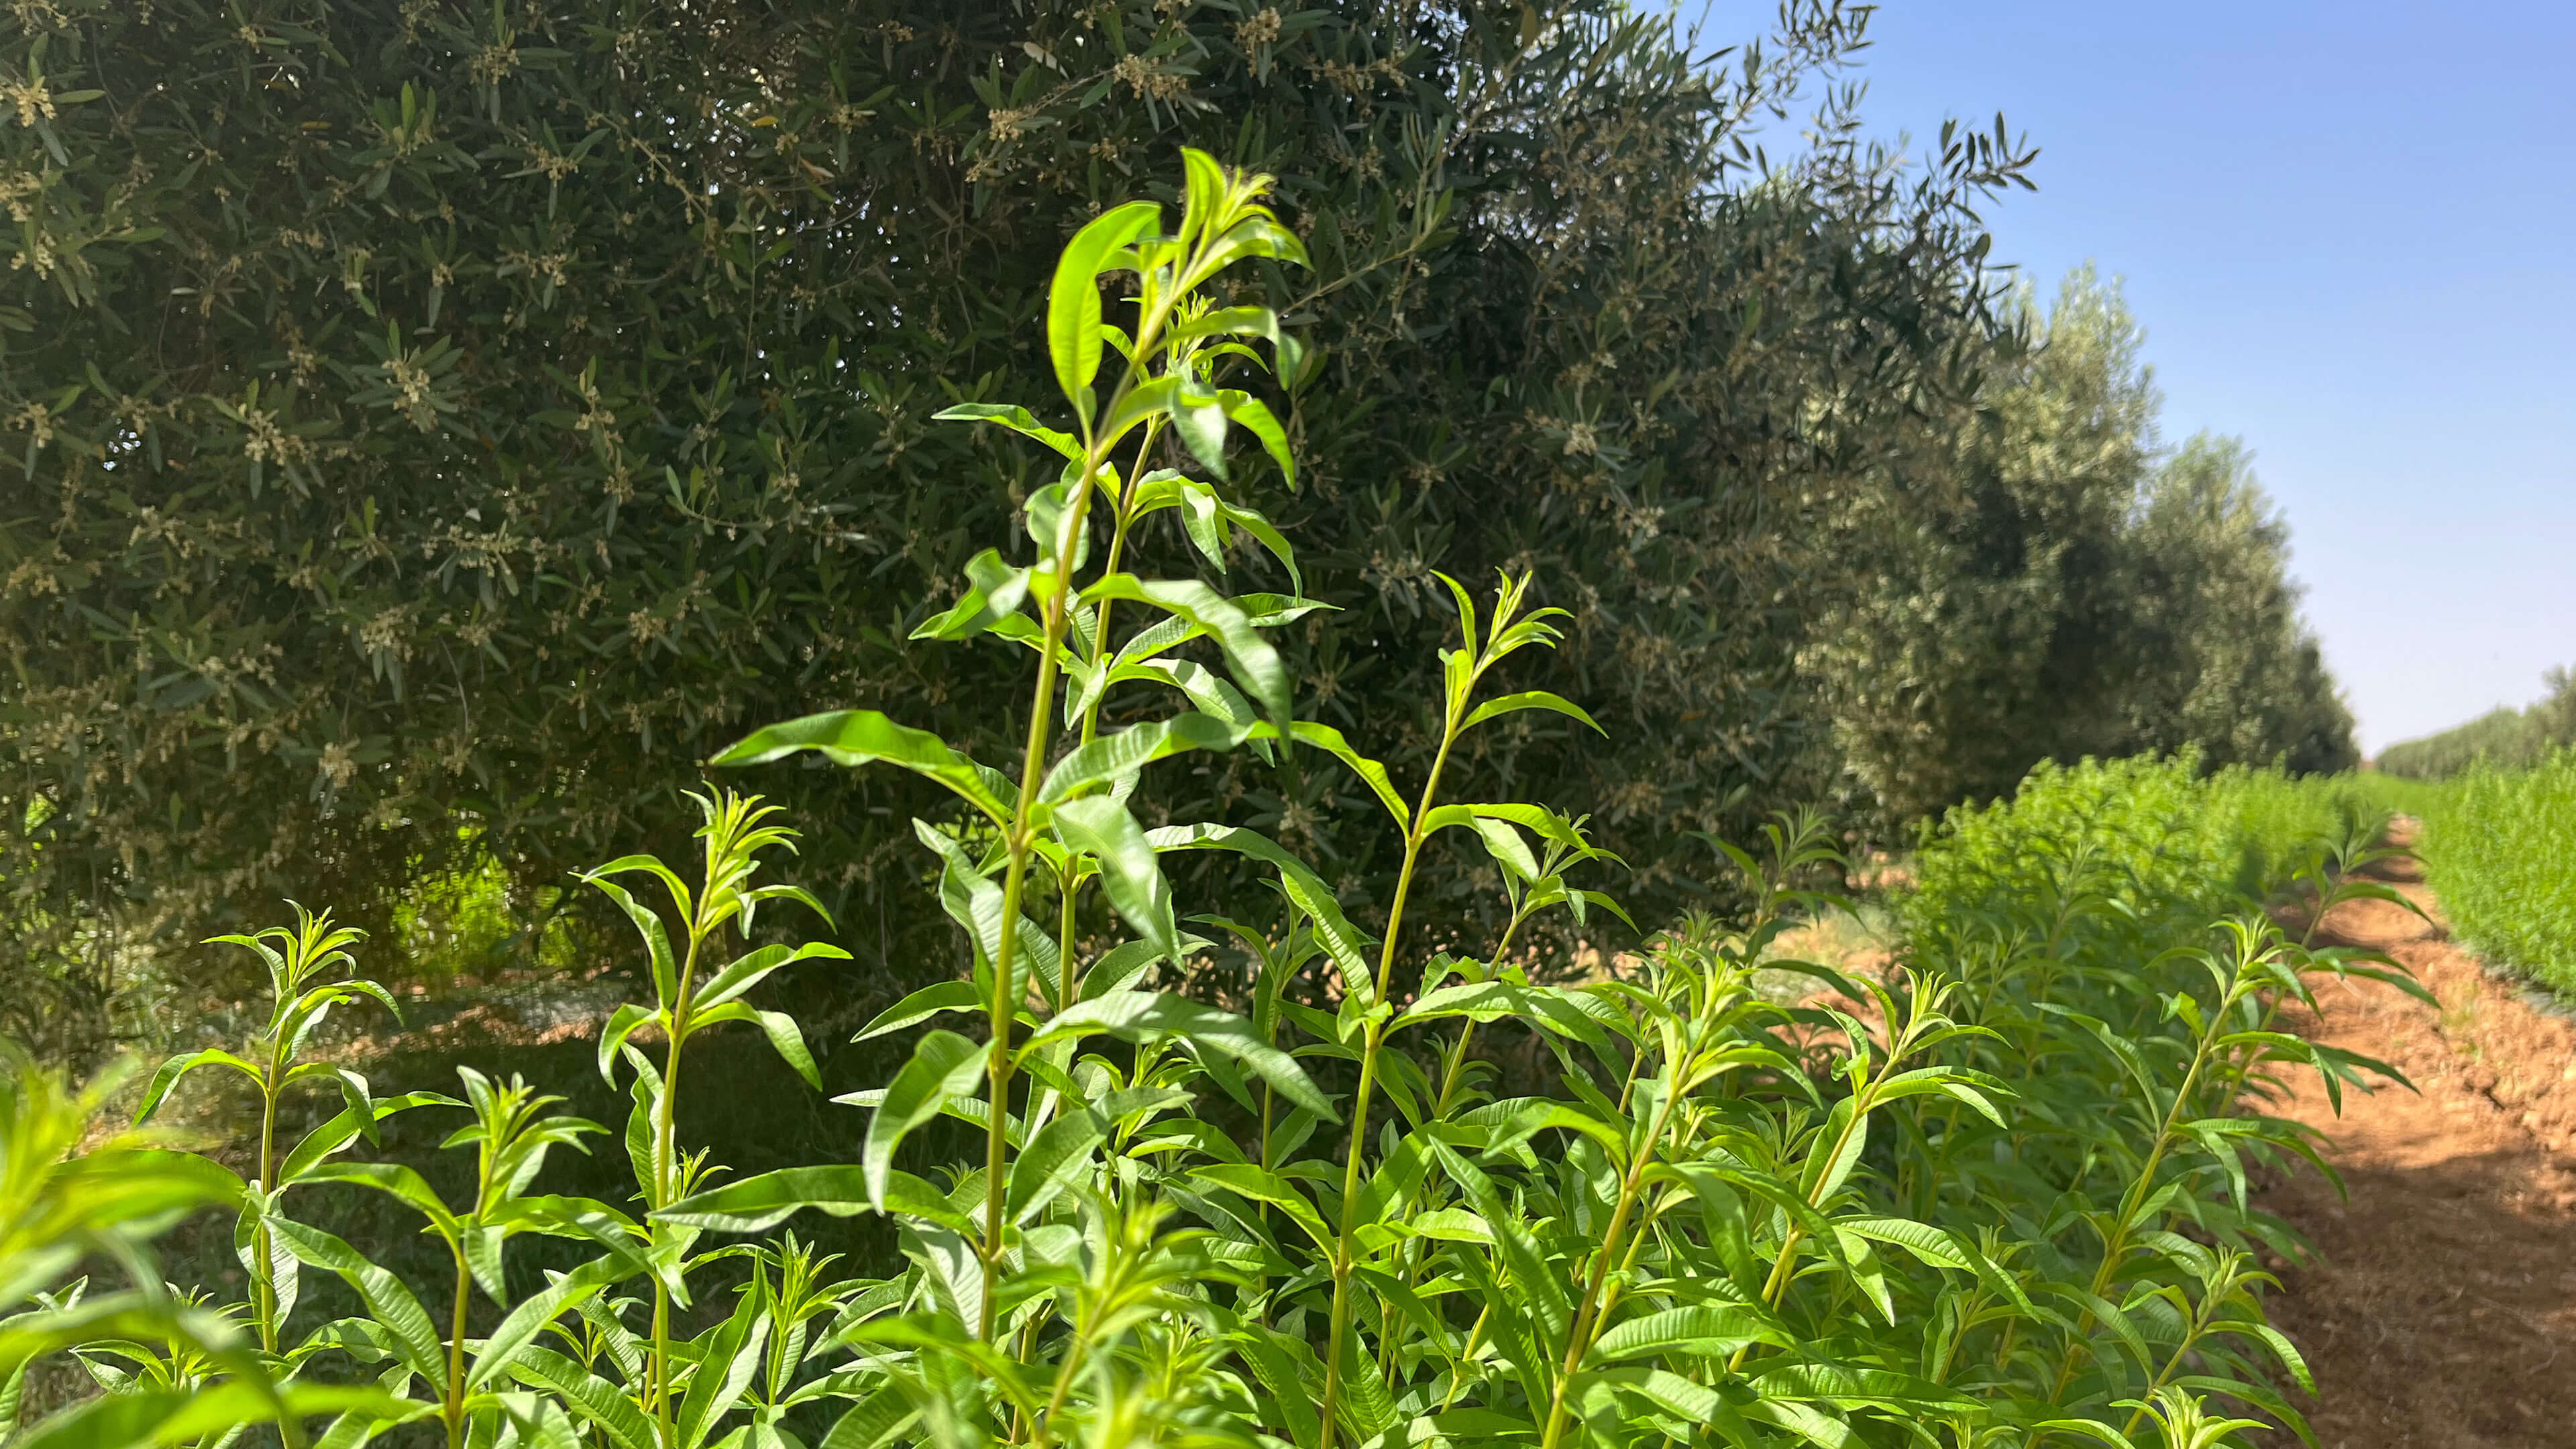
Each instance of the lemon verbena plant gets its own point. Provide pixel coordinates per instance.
(1418, 1192)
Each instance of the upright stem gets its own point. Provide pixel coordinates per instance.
(997, 1061)
(1374, 1037)
(665, 1185)
(1578, 1339)
(454, 1412)
(1155, 312)
(1454, 1064)
(263, 1285)
(2115, 1246)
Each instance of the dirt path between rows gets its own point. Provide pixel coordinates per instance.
(2442, 1311)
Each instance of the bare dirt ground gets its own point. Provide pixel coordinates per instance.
(2442, 1311)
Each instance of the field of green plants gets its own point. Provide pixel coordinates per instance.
(1379, 1187)
(2496, 843)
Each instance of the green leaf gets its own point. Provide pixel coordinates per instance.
(182, 1416)
(339, 1131)
(943, 1065)
(757, 1204)
(1073, 301)
(749, 970)
(1530, 699)
(1132, 1015)
(567, 1292)
(1923, 1240)
(657, 939)
(1254, 664)
(933, 1000)
(396, 1181)
(1198, 419)
(1016, 418)
(1114, 756)
(729, 1358)
(1255, 417)
(1701, 1332)
(855, 737)
(995, 591)
(1504, 843)
(788, 1040)
(624, 1022)
(176, 1067)
(416, 1341)
(586, 1395)
(873, 1422)
(1130, 877)
(1325, 737)
(1342, 941)
(1058, 1154)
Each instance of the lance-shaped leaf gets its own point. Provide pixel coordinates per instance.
(729, 1356)
(396, 1181)
(757, 1204)
(1123, 753)
(933, 1000)
(749, 970)
(156, 1416)
(648, 924)
(943, 1065)
(864, 736)
(1060, 1152)
(1342, 941)
(973, 901)
(785, 1036)
(1254, 663)
(1263, 1186)
(994, 592)
(1254, 416)
(339, 1131)
(175, 1068)
(1198, 420)
(586, 1395)
(1530, 699)
(1098, 825)
(415, 1339)
(1134, 1015)
(1014, 417)
(1372, 774)
(1073, 300)
(567, 1292)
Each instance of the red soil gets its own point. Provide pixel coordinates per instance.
(2442, 1309)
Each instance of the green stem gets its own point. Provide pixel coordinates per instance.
(455, 1408)
(2115, 1246)
(665, 1181)
(997, 1064)
(1073, 1357)
(1155, 312)
(1578, 1340)
(1778, 1282)
(1375, 1037)
(263, 1284)
(1455, 1062)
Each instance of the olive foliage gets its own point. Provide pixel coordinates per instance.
(437, 414)
(2084, 592)
(2505, 737)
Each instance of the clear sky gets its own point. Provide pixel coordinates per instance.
(2350, 233)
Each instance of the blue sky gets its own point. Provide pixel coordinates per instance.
(2350, 233)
